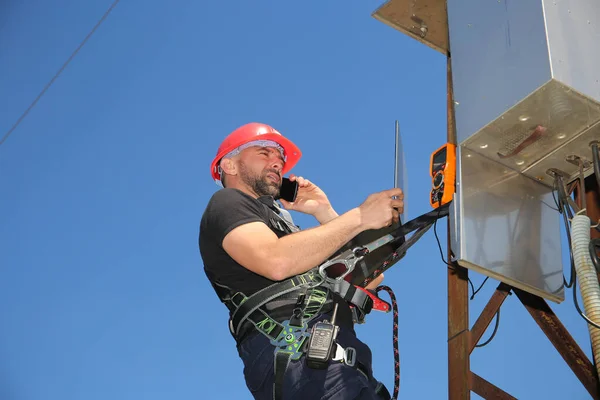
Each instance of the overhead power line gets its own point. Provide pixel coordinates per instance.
(39, 96)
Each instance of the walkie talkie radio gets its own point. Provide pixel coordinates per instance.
(443, 175)
(321, 344)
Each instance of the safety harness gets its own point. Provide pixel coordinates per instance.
(308, 293)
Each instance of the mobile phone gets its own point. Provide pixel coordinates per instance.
(288, 190)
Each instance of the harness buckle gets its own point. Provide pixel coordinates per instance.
(358, 317)
(350, 356)
(346, 355)
(291, 340)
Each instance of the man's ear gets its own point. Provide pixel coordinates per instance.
(228, 166)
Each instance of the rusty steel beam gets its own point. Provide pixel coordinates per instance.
(562, 340)
(458, 296)
(488, 313)
(458, 334)
(488, 390)
(592, 200)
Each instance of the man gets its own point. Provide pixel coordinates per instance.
(248, 243)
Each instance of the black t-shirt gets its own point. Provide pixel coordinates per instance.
(227, 209)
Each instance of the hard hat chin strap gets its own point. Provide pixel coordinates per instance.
(219, 181)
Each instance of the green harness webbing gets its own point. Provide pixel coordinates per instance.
(289, 336)
(247, 306)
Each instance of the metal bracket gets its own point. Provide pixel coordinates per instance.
(553, 172)
(576, 160)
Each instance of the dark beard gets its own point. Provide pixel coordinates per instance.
(261, 184)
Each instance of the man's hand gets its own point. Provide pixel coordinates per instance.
(381, 210)
(310, 200)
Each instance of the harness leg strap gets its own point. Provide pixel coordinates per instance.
(382, 391)
(282, 360)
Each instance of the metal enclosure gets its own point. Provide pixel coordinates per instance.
(504, 225)
(526, 81)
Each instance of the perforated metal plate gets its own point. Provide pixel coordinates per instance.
(524, 136)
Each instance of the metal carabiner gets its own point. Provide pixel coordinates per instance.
(348, 259)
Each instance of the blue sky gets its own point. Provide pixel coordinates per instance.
(103, 295)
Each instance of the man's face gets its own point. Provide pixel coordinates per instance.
(260, 168)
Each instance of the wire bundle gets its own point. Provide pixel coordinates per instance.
(567, 207)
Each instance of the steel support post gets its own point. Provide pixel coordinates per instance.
(459, 371)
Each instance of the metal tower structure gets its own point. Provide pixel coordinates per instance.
(511, 145)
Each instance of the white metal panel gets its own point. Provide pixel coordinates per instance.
(573, 32)
(499, 56)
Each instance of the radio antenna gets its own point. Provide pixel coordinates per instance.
(400, 168)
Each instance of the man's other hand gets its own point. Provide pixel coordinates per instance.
(310, 200)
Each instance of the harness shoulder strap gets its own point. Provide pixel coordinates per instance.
(279, 218)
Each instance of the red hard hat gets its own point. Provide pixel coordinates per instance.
(256, 131)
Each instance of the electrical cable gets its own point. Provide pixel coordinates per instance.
(493, 333)
(571, 281)
(470, 282)
(39, 96)
(562, 192)
(479, 288)
(555, 188)
(563, 207)
(442, 255)
(394, 339)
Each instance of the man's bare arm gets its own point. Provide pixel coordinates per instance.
(326, 215)
(257, 248)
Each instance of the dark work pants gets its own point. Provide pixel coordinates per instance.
(337, 382)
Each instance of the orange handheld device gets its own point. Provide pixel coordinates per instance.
(443, 175)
